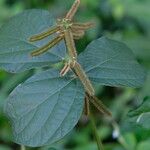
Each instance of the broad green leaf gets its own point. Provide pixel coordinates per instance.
(141, 115)
(111, 63)
(44, 108)
(15, 48)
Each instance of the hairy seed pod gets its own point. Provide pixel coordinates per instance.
(44, 34)
(78, 34)
(86, 106)
(65, 69)
(73, 10)
(84, 79)
(99, 105)
(76, 31)
(82, 26)
(70, 44)
(46, 47)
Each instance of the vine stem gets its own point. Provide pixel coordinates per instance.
(97, 138)
(23, 147)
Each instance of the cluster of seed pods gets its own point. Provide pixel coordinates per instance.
(69, 31)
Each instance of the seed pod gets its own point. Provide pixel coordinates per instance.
(70, 44)
(78, 34)
(99, 105)
(84, 79)
(82, 26)
(46, 47)
(86, 106)
(44, 34)
(73, 10)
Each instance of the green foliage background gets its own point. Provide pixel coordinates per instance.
(126, 21)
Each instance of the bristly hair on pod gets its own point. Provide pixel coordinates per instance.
(70, 44)
(46, 47)
(66, 30)
(45, 34)
(73, 10)
(82, 26)
(86, 106)
(99, 105)
(78, 34)
(84, 79)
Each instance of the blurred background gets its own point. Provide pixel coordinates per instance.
(124, 20)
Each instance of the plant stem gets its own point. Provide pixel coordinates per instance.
(23, 147)
(97, 138)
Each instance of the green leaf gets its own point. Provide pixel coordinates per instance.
(141, 115)
(15, 48)
(111, 63)
(44, 108)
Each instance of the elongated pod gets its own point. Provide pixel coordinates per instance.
(46, 47)
(86, 106)
(84, 79)
(82, 26)
(78, 34)
(44, 34)
(73, 10)
(70, 44)
(99, 105)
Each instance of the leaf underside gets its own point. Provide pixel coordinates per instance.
(44, 108)
(15, 48)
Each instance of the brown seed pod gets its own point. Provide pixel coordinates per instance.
(82, 26)
(45, 34)
(46, 47)
(73, 10)
(86, 106)
(70, 44)
(78, 34)
(84, 79)
(99, 105)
